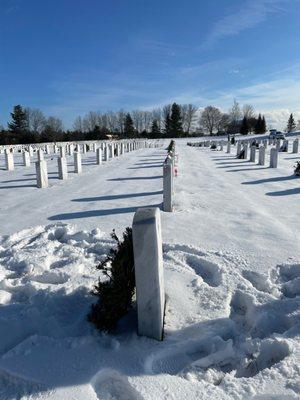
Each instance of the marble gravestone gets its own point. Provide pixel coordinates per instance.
(26, 158)
(77, 162)
(296, 146)
(273, 158)
(41, 174)
(261, 155)
(148, 262)
(167, 185)
(9, 160)
(99, 156)
(252, 153)
(62, 168)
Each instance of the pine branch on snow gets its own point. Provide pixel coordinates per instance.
(115, 294)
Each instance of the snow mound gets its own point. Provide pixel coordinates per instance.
(230, 331)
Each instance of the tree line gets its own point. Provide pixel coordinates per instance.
(30, 125)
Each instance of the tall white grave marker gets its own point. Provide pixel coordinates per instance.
(62, 168)
(273, 158)
(41, 174)
(148, 262)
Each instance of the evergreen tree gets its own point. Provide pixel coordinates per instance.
(245, 126)
(176, 121)
(263, 125)
(167, 123)
(258, 125)
(155, 130)
(19, 123)
(291, 125)
(128, 126)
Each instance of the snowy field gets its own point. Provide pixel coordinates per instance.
(232, 276)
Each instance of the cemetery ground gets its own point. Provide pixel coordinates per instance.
(232, 280)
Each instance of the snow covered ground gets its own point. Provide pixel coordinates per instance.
(232, 276)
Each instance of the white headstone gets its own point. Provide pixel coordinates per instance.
(40, 155)
(99, 156)
(41, 174)
(261, 155)
(148, 262)
(296, 146)
(71, 149)
(252, 153)
(167, 186)
(106, 153)
(9, 160)
(26, 159)
(62, 151)
(62, 168)
(228, 147)
(273, 158)
(77, 163)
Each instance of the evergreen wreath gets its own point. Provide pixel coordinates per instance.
(115, 294)
(241, 154)
(297, 169)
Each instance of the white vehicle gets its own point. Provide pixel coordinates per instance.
(274, 134)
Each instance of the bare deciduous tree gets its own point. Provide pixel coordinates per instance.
(35, 119)
(188, 112)
(248, 111)
(137, 117)
(210, 119)
(157, 115)
(55, 124)
(223, 123)
(120, 119)
(235, 113)
(78, 124)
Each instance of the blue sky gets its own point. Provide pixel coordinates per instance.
(68, 57)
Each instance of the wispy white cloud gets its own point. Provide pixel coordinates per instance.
(278, 118)
(212, 68)
(247, 16)
(276, 99)
(276, 96)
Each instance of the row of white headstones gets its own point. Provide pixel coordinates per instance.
(148, 257)
(243, 146)
(104, 152)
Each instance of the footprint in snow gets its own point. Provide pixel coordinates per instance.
(51, 278)
(190, 354)
(187, 256)
(289, 277)
(109, 384)
(270, 353)
(259, 281)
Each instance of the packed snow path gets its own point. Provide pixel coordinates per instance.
(232, 271)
